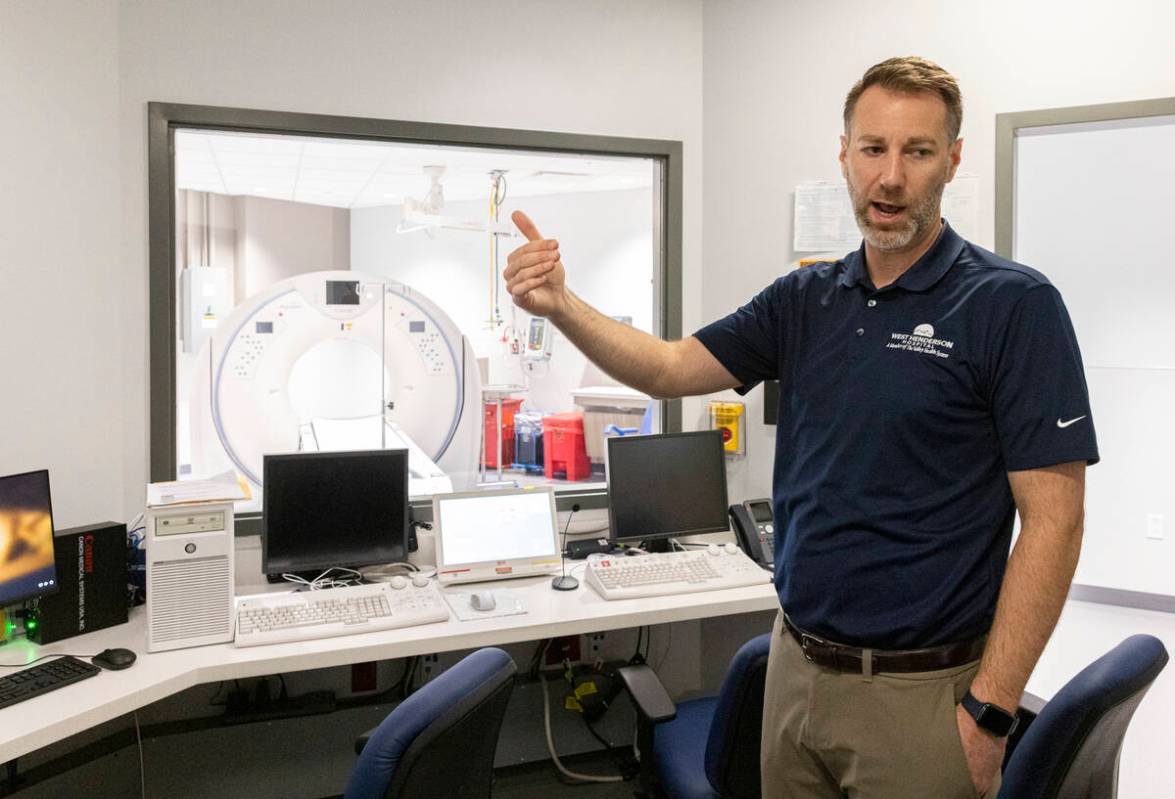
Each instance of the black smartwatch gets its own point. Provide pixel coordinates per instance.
(995, 720)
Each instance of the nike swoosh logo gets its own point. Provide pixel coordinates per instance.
(1071, 421)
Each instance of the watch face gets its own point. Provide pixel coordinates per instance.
(996, 721)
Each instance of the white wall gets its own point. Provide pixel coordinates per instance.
(774, 83)
(64, 327)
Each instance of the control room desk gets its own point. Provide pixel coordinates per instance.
(30, 725)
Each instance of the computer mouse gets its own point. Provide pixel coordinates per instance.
(482, 600)
(114, 659)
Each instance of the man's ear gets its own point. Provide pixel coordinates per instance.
(844, 151)
(956, 156)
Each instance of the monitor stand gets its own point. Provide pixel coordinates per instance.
(657, 545)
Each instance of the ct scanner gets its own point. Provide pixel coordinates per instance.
(337, 360)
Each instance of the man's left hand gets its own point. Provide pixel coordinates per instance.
(984, 751)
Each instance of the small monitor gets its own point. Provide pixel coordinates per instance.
(495, 535)
(324, 509)
(667, 485)
(761, 511)
(27, 568)
(342, 292)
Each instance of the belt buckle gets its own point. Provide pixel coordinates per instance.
(805, 640)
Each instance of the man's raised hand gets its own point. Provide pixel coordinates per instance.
(534, 272)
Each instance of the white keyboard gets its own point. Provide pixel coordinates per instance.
(309, 615)
(628, 577)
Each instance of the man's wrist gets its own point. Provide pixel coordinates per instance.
(988, 691)
(559, 318)
(993, 719)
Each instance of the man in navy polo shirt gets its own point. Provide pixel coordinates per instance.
(928, 390)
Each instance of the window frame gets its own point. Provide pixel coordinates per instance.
(164, 119)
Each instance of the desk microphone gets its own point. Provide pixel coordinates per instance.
(563, 582)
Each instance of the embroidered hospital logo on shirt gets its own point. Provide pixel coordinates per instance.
(922, 341)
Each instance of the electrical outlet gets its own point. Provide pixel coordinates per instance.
(595, 647)
(429, 668)
(1154, 526)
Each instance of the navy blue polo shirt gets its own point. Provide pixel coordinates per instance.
(901, 410)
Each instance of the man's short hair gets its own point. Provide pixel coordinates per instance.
(911, 75)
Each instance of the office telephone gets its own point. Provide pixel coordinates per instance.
(754, 529)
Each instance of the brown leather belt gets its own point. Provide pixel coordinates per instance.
(850, 658)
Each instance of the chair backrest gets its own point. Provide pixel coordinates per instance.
(732, 751)
(1071, 750)
(441, 740)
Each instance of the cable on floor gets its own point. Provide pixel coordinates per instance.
(142, 771)
(551, 743)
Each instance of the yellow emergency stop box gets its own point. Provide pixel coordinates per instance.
(728, 417)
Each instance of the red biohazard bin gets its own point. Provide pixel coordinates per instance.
(564, 453)
(490, 418)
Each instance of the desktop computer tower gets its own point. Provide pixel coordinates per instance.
(91, 583)
(189, 575)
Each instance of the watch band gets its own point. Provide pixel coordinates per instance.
(992, 718)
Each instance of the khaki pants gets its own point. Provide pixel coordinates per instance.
(830, 734)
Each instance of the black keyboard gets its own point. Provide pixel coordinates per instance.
(43, 678)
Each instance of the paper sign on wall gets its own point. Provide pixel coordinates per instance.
(824, 219)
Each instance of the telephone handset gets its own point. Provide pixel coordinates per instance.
(754, 529)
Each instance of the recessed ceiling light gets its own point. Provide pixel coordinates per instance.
(260, 189)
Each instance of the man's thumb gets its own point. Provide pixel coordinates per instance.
(525, 226)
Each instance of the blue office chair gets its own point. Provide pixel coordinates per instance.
(705, 748)
(1071, 747)
(441, 740)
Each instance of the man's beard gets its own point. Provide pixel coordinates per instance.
(920, 217)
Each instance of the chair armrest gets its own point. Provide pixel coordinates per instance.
(362, 740)
(647, 692)
(1032, 703)
(1030, 707)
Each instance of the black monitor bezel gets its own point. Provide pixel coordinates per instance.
(52, 542)
(622, 441)
(402, 545)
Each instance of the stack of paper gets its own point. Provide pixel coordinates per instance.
(221, 488)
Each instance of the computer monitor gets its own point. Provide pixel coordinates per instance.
(495, 535)
(667, 485)
(324, 509)
(27, 568)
